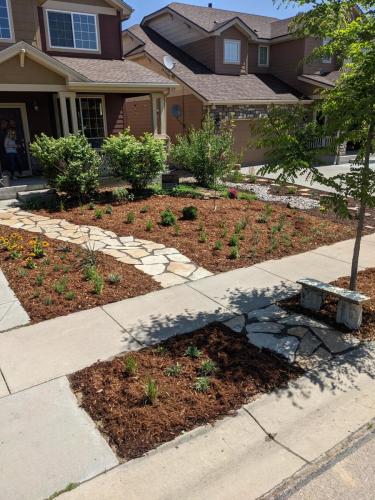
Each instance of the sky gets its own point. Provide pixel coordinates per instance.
(262, 7)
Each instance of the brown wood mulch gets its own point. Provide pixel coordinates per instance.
(35, 288)
(117, 403)
(366, 285)
(299, 231)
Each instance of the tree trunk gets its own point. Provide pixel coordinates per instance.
(362, 210)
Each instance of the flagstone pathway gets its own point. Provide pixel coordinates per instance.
(165, 265)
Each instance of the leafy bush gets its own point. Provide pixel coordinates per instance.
(122, 194)
(193, 352)
(208, 367)
(218, 245)
(168, 218)
(207, 153)
(235, 176)
(138, 161)
(186, 191)
(69, 163)
(130, 218)
(173, 370)
(202, 384)
(189, 213)
(247, 196)
(114, 278)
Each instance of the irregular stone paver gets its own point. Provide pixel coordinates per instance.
(270, 313)
(335, 341)
(308, 344)
(284, 346)
(297, 331)
(49, 447)
(12, 314)
(236, 324)
(301, 320)
(264, 327)
(166, 265)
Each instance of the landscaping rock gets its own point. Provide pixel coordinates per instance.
(284, 346)
(167, 280)
(298, 331)
(199, 274)
(154, 259)
(166, 251)
(181, 269)
(308, 344)
(335, 341)
(151, 269)
(264, 328)
(301, 320)
(177, 257)
(236, 324)
(270, 313)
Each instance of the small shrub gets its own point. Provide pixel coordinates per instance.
(97, 284)
(130, 218)
(29, 263)
(120, 194)
(234, 241)
(266, 214)
(208, 367)
(48, 301)
(149, 226)
(161, 350)
(235, 176)
(186, 191)
(224, 233)
(218, 245)
(114, 278)
(39, 280)
(173, 371)
(138, 161)
(190, 213)
(60, 286)
(291, 190)
(177, 230)
(151, 391)
(156, 189)
(193, 352)
(144, 209)
(23, 273)
(168, 218)
(240, 226)
(109, 210)
(203, 238)
(69, 163)
(247, 196)
(234, 254)
(130, 367)
(91, 205)
(56, 268)
(232, 194)
(202, 384)
(98, 214)
(70, 295)
(251, 178)
(89, 272)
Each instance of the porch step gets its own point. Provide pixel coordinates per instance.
(25, 197)
(347, 159)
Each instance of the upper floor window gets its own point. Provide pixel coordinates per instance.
(264, 55)
(72, 30)
(232, 51)
(5, 21)
(326, 59)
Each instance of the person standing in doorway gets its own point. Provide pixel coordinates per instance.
(10, 146)
(3, 134)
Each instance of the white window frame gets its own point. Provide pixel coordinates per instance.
(238, 43)
(11, 26)
(75, 48)
(326, 59)
(264, 65)
(94, 96)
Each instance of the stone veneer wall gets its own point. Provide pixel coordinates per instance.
(238, 112)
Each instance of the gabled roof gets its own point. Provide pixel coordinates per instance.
(212, 20)
(212, 88)
(123, 7)
(327, 80)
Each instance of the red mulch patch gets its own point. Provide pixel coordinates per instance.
(117, 402)
(35, 288)
(366, 285)
(286, 231)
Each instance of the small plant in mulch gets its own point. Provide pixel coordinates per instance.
(203, 237)
(39, 280)
(173, 370)
(37, 248)
(193, 352)
(151, 391)
(114, 278)
(149, 226)
(120, 194)
(98, 214)
(109, 210)
(91, 205)
(291, 190)
(60, 286)
(241, 226)
(234, 241)
(89, 272)
(144, 209)
(130, 218)
(224, 232)
(266, 214)
(202, 384)
(251, 178)
(48, 301)
(56, 268)
(234, 253)
(168, 218)
(70, 295)
(190, 213)
(97, 284)
(177, 230)
(30, 264)
(161, 350)
(130, 367)
(247, 197)
(218, 245)
(208, 367)
(23, 273)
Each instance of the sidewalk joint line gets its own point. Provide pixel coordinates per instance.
(334, 258)
(231, 311)
(5, 381)
(272, 437)
(122, 328)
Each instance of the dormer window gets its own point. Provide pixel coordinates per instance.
(232, 51)
(72, 30)
(5, 21)
(263, 55)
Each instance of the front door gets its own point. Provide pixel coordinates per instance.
(14, 139)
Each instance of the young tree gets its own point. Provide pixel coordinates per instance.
(349, 108)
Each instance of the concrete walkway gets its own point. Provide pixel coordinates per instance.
(12, 314)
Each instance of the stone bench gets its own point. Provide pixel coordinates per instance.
(349, 308)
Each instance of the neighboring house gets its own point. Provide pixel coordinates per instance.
(229, 64)
(62, 71)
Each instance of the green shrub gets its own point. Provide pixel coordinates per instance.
(189, 213)
(98, 214)
(109, 210)
(89, 272)
(121, 194)
(177, 230)
(207, 154)
(151, 391)
(138, 161)
(251, 178)
(114, 278)
(97, 283)
(247, 196)
(186, 191)
(234, 254)
(234, 241)
(168, 218)
(69, 163)
(218, 245)
(144, 209)
(149, 226)
(61, 286)
(130, 366)
(173, 371)
(130, 218)
(203, 238)
(208, 367)
(202, 384)
(235, 176)
(70, 295)
(193, 352)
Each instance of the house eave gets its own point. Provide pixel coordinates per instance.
(311, 81)
(259, 102)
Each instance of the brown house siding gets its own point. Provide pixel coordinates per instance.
(25, 22)
(138, 116)
(110, 39)
(310, 67)
(115, 112)
(230, 69)
(286, 61)
(203, 51)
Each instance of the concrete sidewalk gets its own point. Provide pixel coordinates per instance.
(244, 457)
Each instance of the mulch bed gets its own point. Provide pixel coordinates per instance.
(366, 285)
(117, 403)
(35, 288)
(300, 231)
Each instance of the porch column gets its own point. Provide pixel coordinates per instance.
(63, 96)
(64, 114)
(73, 111)
(159, 114)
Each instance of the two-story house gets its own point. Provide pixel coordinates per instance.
(62, 71)
(229, 64)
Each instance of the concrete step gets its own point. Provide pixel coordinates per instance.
(25, 197)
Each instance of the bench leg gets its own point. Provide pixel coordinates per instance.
(312, 299)
(349, 314)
